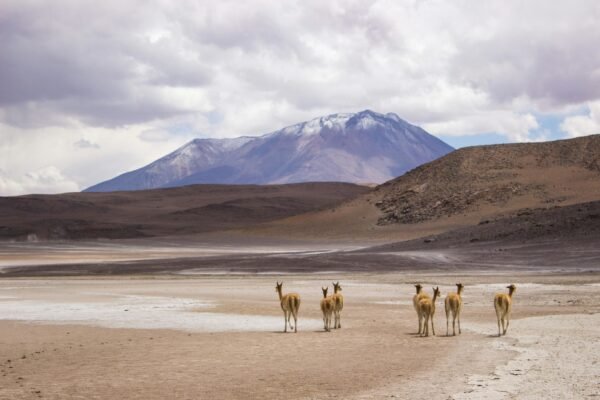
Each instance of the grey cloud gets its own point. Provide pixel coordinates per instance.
(135, 76)
(86, 144)
(554, 73)
(113, 64)
(544, 51)
(249, 26)
(70, 61)
(124, 111)
(154, 135)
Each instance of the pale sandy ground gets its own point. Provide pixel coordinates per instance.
(14, 254)
(218, 337)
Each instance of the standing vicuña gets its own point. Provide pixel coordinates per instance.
(290, 303)
(454, 303)
(338, 299)
(327, 306)
(427, 310)
(416, 298)
(503, 306)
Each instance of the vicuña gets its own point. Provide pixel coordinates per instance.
(427, 310)
(453, 304)
(290, 303)
(338, 299)
(503, 306)
(327, 307)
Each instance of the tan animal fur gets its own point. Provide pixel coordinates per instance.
(327, 307)
(338, 299)
(416, 298)
(503, 306)
(453, 303)
(290, 303)
(427, 310)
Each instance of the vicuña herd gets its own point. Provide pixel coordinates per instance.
(424, 306)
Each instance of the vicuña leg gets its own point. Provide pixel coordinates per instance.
(500, 324)
(453, 324)
(336, 316)
(295, 322)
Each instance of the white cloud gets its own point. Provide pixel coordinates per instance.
(517, 127)
(141, 78)
(46, 180)
(582, 125)
(118, 150)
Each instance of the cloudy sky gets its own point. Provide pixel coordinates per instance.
(91, 89)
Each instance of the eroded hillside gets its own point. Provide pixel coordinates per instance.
(485, 179)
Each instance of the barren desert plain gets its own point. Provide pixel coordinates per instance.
(186, 186)
(171, 293)
(209, 325)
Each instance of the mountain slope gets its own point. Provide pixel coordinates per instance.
(496, 177)
(575, 223)
(175, 211)
(199, 154)
(461, 189)
(365, 147)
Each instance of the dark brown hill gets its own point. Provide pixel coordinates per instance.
(458, 190)
(485, 179)
(177, 211)
(578, 223)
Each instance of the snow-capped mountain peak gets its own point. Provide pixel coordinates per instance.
(363, 147)
(338, 122)
(316, 125)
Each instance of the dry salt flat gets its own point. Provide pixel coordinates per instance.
(173, 327)
(117, 310)
(545, 357)
(558, 358)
